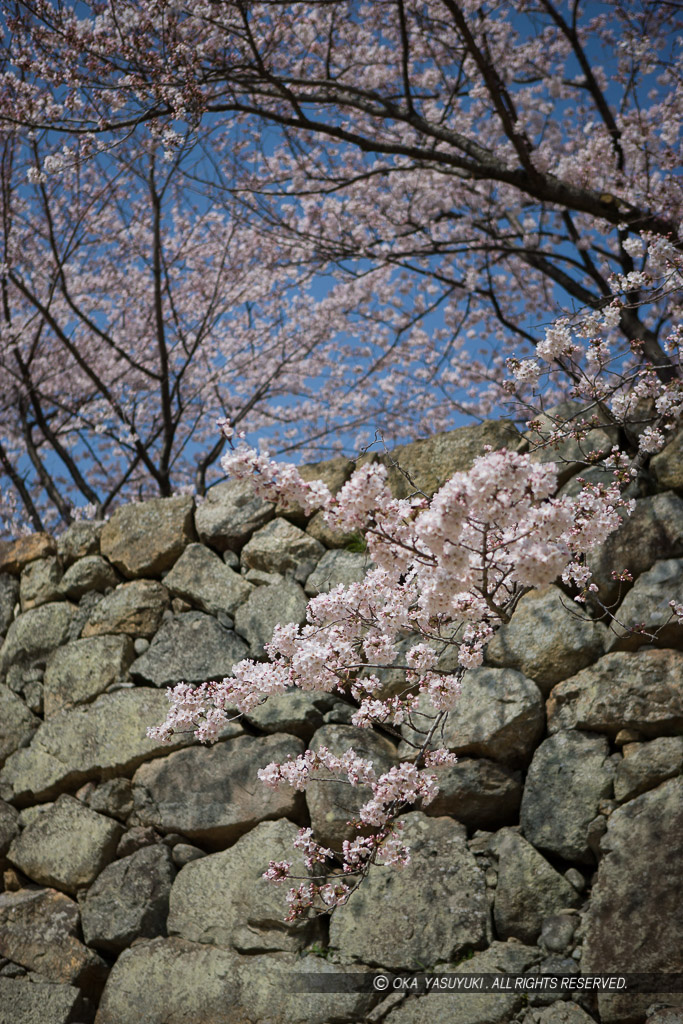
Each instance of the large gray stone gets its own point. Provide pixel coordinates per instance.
(334, 568)
(641, 691)
(79, 671)
(25, 1001)
(66, 846)
(33, 635)
(145, 538)
(499, 715)
(191, 648)
(133, 608)
(528, 889)
(268, 607)
(479, 793)
(229, 515)
(80, 540)
(39, 929)
(202, 578)
(224, 900)
(40, 583)
(432, 910)
(647, 606)
(568, 777)
(9, 596)
(645, 765)
(129, 899)
(90, 573)
(9, 826)
(295, 711)
(332, 805)
(633, 921)
(548, 639)
(667, 465)
(570, 454)
(93, 741)
(172, 981)
(16, 554)
(17, 723)
(227, 797)
(282, 547)
(654, 531)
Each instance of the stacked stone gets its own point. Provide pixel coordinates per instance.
(131, 872)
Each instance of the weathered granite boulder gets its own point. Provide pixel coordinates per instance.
(133, 608)
(27, 1000)
(633, 921)
(17, 723)
(641, 691)
(129, 899)
(548, 639)
(647, 606)
(296, 712)
(90, 573)
(81, 539)
(66, 846)
(40, 583)
(654, 531)
(337, 567)
(559, 1013)
(646, 765)
(9, 826)
(282, 547)
(92, 741)
(190, 648)
(528, 888)
(568, 777)
(9, 597)
(39, 929)
(224, 900)
(79, 671)
(499, 715)
(333, 804)
(16, 554)
(34, 634)
(331, 536)
(667, 465)
(229, 515)
(144, 538)
(570, 453)
(113, 797)
(267, 608)
(479, 793)
(202, 578)
(172, 981)
(227, 797)
(433, 909)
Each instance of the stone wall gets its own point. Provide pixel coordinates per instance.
(131, 872)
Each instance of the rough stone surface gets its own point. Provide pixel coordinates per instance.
(17, 723)
(479, 793)
(295, 712)
(82, 669)
(546, 639)
(40, 583)
(667, 465)
(229, 515)
(35, 633)
(282, 547)
(645, 765)
(39, 930)
(16, 554)
(528, 888)
(90, 573)
(145, 538)
(190, 648)
(647, 605)
(432, 910)
(641, 691)
(129, 899)
(224, 900)
(9, 596)
(133, 608)
(93, 741)
(568, 777)
(330, 536)
(431, 462)
(25, 1001)
(66, 846)
(80, 540)
(333, 472)
(228, 798)
(113, 797)
(337, 567)
(569, 453)
(9, 826)
(202, 578)
(267, 608)
(333, 804)
(652, 532)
